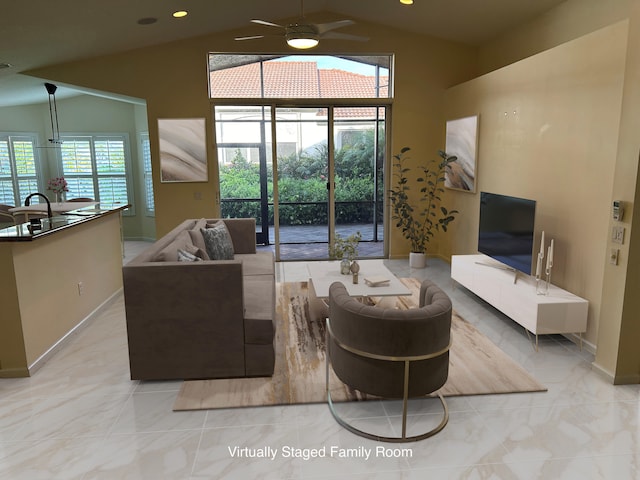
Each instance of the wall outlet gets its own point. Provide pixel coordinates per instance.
(613, 256)
(80, 288)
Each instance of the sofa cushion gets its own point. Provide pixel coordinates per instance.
(170, 252)
(259, 263)
(198, 252)
(259, 309)
(185, 256)
(197, 239)
(218, 242)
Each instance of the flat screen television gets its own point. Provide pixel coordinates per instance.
(506, 230)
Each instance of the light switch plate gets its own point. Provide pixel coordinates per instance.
(617, 235)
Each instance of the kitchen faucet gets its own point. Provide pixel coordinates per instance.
(27, 202)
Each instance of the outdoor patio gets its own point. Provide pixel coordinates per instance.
(309, 242)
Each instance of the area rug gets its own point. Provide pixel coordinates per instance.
(477, 366)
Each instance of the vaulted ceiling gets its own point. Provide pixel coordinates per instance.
(37, 33)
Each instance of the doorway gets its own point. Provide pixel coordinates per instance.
(330, 175)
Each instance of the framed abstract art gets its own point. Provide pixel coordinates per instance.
(183, 150)
(462, 141)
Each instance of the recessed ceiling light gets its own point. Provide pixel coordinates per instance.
(180, 13)
(406, 2)
(147, 21)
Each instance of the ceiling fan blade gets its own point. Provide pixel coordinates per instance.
(343, 36)
(249, 37)
(268, 24)
(325, 27)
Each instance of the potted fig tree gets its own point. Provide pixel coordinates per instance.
(419, 221)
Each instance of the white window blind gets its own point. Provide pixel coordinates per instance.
(145, 149)
(18, 168)
(97, 166)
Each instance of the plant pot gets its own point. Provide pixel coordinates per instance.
(417, 260)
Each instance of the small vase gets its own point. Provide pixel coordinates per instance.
(345, 266)
(60, 197)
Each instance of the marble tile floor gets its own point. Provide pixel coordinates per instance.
(81, 417)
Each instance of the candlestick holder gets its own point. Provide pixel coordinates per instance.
(544, 288)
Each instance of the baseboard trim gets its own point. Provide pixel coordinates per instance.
(575, 338)
(603, 372)
(37, 365)
(631, 379)
(139, 239)
(14, 373)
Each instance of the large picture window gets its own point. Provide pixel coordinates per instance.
(300, 76)
(18, 167)
(96, 166)
(317, 123)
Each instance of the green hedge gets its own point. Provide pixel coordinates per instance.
(302, 186)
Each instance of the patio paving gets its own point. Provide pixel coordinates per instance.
(309, 242)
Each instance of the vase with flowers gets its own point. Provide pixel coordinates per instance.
(59, 187)
(346, 249)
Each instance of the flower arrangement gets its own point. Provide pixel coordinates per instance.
(57, 185)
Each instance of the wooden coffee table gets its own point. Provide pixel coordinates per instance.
(323, 273)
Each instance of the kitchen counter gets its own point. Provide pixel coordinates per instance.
(54, 281)
(87, 212)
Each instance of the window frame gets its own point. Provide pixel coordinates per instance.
(128, 173)
(10, 137)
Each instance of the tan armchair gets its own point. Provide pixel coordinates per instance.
(388, 352)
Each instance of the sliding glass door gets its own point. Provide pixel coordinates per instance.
(243, 145)
(330, 175)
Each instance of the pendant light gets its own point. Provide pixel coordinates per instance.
(53, 114)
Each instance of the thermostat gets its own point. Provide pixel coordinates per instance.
(618, 210)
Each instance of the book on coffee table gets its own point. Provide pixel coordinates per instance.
(377, 281)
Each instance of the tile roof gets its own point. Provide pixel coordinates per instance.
(293, 80)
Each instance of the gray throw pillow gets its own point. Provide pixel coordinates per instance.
(184, 256)
(218, 242)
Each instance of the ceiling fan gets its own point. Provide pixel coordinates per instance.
(303, 35)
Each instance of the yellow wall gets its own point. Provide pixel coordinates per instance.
(548, 131)
(13, 359)
(569, 20)
(44, 275)
(172, 79)
(618, 354)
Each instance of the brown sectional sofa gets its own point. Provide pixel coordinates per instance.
(201, 319)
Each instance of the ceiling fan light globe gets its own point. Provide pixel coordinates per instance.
(301, 40)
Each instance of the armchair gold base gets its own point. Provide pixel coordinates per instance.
(405, 394)
(401, 439)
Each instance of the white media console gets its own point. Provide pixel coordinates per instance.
(557, 312)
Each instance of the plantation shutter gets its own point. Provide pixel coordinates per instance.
(148, 180)
(96, 166)
(18, 168)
